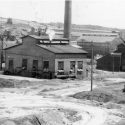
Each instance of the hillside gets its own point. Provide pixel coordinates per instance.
(93, 27)
(19, 28)
(28, 24)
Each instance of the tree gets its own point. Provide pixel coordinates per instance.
(9, 21)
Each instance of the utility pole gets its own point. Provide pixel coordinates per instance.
(113, 64)
(1, 51)
(91, 65)
(120, 63)
(113, 55)
(1, 54)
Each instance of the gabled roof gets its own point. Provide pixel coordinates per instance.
(99, 39)
(8, 44)
(56, 38)
(55, 48)
(60, 49)
(12, 46)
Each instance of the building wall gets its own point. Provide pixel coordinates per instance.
(107, 62)
(115, 43)
(29, 41)
(121, 49)
(28, 50)
(122, 34)
(67, 56)
(67, 66)
(100, 48)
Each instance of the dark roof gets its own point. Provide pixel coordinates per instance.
(62, 49)
(121, 44)
(56, 38)
(53, 48)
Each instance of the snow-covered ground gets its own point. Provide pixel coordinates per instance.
(53, 94)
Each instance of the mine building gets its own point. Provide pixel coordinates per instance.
(103, 43)
(47, 59)
(114, 61)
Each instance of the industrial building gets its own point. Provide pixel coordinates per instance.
(57, 57)
(114, 61)
(103, 43)
(37, 55)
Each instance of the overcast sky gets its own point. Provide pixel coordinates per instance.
(109, 13)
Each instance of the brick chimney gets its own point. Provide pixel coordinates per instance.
(67, 19)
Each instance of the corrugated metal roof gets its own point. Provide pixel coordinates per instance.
(62, 49)
(100, 39)
(85, 29)
(100, 34)
(72, 33)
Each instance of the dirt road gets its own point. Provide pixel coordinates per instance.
(23, 102)
(18, 103)
(15, 103)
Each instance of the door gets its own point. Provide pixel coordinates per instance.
(35, 64)
(24, 64)
(46, 66)
(72, 66)
(10, 63)
(123, 64)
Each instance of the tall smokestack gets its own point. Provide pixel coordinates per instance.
(67, 19)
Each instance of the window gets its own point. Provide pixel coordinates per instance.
(80, 67)
(46, 64)
(72, 66)
(80, 64)
(60, 65)
(10, 63)
(24, 64)
(35, 64)
(60, 68)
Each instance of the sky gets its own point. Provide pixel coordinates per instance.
(107, 13)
